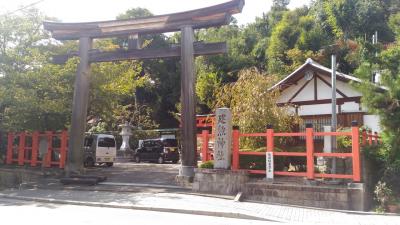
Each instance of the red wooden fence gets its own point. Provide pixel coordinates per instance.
(206, 154)
(27, 152)
(367, 138)
(309, 154)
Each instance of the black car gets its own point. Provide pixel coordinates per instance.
(157, 150)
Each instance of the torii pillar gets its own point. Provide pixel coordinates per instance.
(188, 101)
(79, 109)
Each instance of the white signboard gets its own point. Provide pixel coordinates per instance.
(223, 139)
(327, 140)
(270, 165)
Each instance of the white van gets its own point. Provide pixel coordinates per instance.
(99, 149)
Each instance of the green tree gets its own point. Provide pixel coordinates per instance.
(254, 106)
(297, 31)
(385, 103)
(34, 95)
(394, 24)
(160, 95)
(350, 19)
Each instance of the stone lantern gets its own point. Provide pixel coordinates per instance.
(126, 131)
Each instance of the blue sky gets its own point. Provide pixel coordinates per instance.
(95, 10)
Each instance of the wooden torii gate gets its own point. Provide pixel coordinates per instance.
(185, 22)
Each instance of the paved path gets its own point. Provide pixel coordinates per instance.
(200, 205)
(61, 214)
(129, 172)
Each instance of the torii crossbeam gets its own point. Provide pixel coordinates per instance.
(185, 22)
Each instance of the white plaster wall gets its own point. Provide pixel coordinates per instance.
(290, 91)
(306, 94)
(344, 87)
(372, 122)
(351, 107)
(347, 89)
(319, 109)
(291, 110)
(323, 91)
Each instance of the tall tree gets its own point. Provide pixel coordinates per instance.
(350, 19)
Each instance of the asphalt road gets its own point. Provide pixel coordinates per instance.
(25, 212)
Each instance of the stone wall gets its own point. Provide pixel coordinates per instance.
(332, 197)
(11, 176)
(314, 194)
(218, 181)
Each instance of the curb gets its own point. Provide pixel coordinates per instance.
(352, 212)
(108, 187)
(143, 185)
(157, 209)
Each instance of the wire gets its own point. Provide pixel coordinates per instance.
(22, 8)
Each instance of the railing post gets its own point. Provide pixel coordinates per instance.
(376, 138)
(364, 137)
(270, 138)
(35, 148)
(204, 147)
(63, 148)
(10, 149)
(21, 148)
(370, 137)
(47, 159)
(269, 155)
(235, 147)
(355, 151)
(310, 151)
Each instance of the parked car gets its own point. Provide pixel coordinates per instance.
(99, 149)
(157, 150)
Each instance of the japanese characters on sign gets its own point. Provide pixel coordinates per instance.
(270, 165)
(223, 139)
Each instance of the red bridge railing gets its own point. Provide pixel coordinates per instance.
(26, 149)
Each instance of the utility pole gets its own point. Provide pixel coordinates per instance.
(334, 116)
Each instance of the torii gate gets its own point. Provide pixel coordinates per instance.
(185, 22)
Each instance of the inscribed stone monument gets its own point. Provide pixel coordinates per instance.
(223, 139)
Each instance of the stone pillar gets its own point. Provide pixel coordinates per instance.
(223, 139)
(188, 100)
(79, 109)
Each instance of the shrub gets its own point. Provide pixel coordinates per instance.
(383, 194)
(344, 142)
(207, 165)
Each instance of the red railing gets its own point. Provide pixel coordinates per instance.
(206, 154)
(369, 138)
(205, 121)
(26, 151)
(309, 153)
